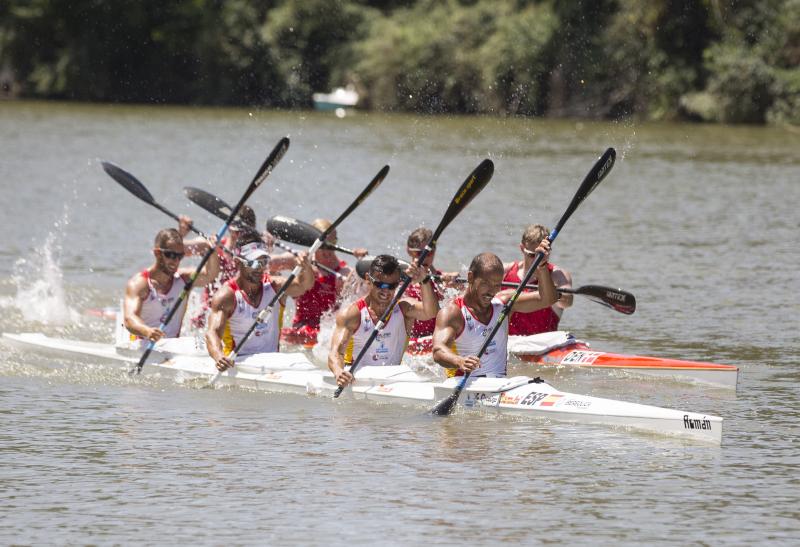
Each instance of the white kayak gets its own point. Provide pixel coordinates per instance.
(521, 395)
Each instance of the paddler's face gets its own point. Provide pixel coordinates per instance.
(383, 286)
(169, 255)
(486, 286)
(414, 253)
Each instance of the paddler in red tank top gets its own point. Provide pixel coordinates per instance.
(546, 319)
(420, 340)
(324, 295)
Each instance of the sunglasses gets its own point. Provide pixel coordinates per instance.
(383, 284)
(172, 255)
(257, 264)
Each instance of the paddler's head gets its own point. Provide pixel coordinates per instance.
(323, 224)
(252, 256)
(485, 277)
(168, 250)
(416, 243)
(383, 277)
(531, 237)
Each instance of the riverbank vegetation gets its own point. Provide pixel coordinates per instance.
(734, 61)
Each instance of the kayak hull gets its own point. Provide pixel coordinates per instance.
(294, 373)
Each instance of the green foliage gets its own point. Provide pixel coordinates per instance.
(658, 59)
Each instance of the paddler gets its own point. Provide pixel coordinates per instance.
(228, 267)
(325, 295)
(421, 332)
(545, 319)
(461, 327)
(355, 323)
(151, 293)
(235, 306)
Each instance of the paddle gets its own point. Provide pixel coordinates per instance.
(374, 183)
(299, 233)
(470, 188)
(135, 187)
(593, 178)
(219, 208)
(263, 172)
(616, 299)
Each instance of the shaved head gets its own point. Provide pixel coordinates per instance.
(486, 264)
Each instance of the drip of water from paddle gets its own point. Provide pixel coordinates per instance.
(40, 284)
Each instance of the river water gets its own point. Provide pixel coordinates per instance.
(699, 222)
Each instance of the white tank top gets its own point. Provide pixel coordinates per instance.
(157, 305)
(265, 337)
(470, 340)
(388, 346)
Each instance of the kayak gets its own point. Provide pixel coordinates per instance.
(561, 349)
(293, 372)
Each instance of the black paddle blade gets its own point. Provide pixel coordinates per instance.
(293, 231)
(208, 201)
(446, 406)
(616, 299)
(271, 161)
(597, 173)
(476, 181)
(128, 181)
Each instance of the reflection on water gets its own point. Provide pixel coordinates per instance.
(699, 222)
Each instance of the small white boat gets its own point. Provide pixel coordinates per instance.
(521, 395)
(341, 97)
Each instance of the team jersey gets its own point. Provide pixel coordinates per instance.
(423, 328)
(156, 305)
(388, 346)
(265, 336)
(472, 336)
(317, 300)
(535, 322)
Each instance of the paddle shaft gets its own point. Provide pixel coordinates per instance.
(314, 262)
(598, 172)
(264, 171)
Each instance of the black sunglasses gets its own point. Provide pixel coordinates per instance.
(383, 284)
(172, 255)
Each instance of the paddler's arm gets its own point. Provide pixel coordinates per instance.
(563, 279)
(426, 308)
(222, 306)
(135, 293)
(305, 279)
(208, 274)
(449, 322)
(546, 294)
(347, 322)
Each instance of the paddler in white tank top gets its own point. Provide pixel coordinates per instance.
(236, 304)
(462, 326)
(151, 293)
(355, 323)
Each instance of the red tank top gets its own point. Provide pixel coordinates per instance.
(317, 300)
(423, 328)
(544, 320)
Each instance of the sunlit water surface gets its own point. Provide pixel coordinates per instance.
(700, 223)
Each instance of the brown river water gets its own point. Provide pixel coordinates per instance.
(700, 222)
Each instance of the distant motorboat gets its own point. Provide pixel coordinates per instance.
(341, 97)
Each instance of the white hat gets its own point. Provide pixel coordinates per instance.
(253, 251)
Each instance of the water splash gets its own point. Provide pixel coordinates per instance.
(39, 282)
